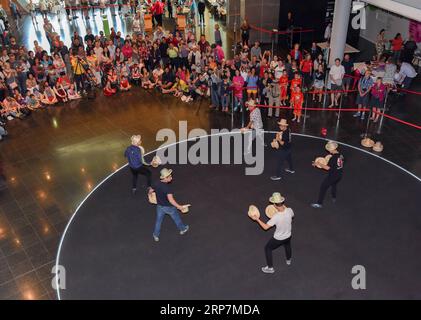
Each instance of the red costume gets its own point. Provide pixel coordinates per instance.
(296, 83)
(297, 99)
(283, 83)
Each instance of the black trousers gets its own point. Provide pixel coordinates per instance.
(143, 171)
(274, 244)
(282, 155)
(328, 182)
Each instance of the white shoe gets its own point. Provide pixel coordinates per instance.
(185, 230)
(288, 262)
(268, 270)
(156, 238)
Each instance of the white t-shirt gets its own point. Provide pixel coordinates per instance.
(283, 222)
(337, 73)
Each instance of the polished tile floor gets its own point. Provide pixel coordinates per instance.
(53, 159)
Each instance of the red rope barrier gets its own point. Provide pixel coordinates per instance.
(280, 32)
(344, 110)
(409, 91)
(399, 120)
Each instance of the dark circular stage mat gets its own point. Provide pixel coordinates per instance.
(108, 251)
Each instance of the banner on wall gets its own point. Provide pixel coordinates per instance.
(415, 30)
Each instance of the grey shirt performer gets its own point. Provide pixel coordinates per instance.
(166, 204)
(282, 220)
(255, 124)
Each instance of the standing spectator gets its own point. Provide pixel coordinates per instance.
(15, 11)
(363, 98)
(378, 94)
(349, 73)
(245, 33)
(170, 9)
(380, 44)
(336, 75)
(256, 51)
(49, 30)
(217, 33)
(397, 45)
(158, 11)
(201, 6)
(406, 74)
(306, 68)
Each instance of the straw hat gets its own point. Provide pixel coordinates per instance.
(270, 211)
(331, 146)
(276, 198)
(152, 198)
(283, 122)
(165, 173)
(275, 144)
(156, 161)
(378, 147)
(185, 208)
(253, 212)
(320, 161)
(367, 142)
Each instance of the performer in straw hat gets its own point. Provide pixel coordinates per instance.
(335, 170)
(282, 236)
(134, 154)
(166, 204)
(255, 124)
(283, 137)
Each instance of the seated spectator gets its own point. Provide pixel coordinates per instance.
(60, 92)
(49, 97)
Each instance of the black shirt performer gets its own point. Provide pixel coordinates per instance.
(334, 167)
(283, 138)
(137, 164)
(166, 204)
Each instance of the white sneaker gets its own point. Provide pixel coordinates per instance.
(268, 270)
(289, 171)
(289, 262)
(10, 118)
(156, 238)
(185, 230)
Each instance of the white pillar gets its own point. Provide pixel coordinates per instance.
(339, 29)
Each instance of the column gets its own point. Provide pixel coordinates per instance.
(339, 29)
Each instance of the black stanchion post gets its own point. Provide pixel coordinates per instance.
(305, 109)
(340, 108)
(232, 109)
(325, 90)
(379, 129)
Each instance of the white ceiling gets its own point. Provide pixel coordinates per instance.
(408, 8)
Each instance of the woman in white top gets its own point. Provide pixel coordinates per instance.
(282, 219)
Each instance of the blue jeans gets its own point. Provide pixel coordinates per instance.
(161, 211)
(225, 100)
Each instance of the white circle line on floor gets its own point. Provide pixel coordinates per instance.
(192, 139)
